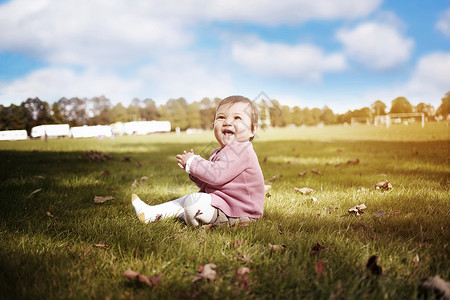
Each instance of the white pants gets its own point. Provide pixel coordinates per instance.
(194, 209)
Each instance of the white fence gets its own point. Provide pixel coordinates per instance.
(13, 135)
(50, 131)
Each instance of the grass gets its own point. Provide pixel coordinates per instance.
(47, 237)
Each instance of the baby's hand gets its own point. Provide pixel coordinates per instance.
(183, 158)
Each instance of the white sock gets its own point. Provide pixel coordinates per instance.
(142, 209)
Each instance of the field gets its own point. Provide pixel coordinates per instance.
(56, 243)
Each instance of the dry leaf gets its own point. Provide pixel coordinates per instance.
(148, 280)
(358, 209)
(50, 215)
(383, 186)
(304, 190)
(244, 257)
(134, 184)
(353, 162)
(126, 159)
(101, 245)
(144, 178)
(395, 212)
(437, 287)
(102, 199)
(106, 173)
(315, 171)
(277, 248)
(242, 278)
(318, 248)
(34, 192)
(301, 174)
(237, 244)
(207, 271)
(372, 265)
(314, 199)
(319, 267)
(274, 178)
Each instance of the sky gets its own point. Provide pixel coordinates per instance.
(343, 54)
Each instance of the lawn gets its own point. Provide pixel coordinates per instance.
(56, 243)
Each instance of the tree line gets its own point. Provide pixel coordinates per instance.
(198, 114)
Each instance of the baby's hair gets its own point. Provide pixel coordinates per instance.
(252, 110)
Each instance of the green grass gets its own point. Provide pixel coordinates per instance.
(53, 257)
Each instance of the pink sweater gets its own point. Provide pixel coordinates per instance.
(233, 177)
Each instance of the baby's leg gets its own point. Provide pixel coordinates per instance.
(147, 213)
(198, 209)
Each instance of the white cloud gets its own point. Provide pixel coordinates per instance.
(184, 75)
(51, 84)
(118, 31)
(443, 24)
(377, 46)
(428, 83)
(275, 59)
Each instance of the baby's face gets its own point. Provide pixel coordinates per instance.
(233, 123)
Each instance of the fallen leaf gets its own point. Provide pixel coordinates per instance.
(314, 199)
(101, 245)
(395, 212)
(148, 280)
(39, 177)
(304, 190)
(134, 184)
(318, 248)
(273, 179)
(277, 248)
(353, 162)
(372, 265)
(207, 271)
(126, 159)
(34, 192)
(437, 287)
(144, 178)
(237, 244)
(50, 215)
(242, 279)
(315, 171)
(301, 174)
(243, 224)
(383, 186)
(319, 267)
(358, 209)
(106, 173)
(102, 199)
(267, 187)
(244, 257)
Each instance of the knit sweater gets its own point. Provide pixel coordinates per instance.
(233, 178)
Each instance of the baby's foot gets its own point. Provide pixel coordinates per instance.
(142, 209)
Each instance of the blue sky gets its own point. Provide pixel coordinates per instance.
(344, 54)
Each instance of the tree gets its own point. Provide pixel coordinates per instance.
(379, 108)
(118, 114)
(207, 113)
(426, 109)
(328, 117)
(444, 108)
(36, 112)
(12, 118)
(401, 105)
(74, 110)
(194, 117)
(149, 111)
(56, 114)
(98, 110)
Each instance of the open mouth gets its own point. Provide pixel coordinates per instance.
(227, 132)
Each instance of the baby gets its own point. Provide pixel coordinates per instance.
(231, 182)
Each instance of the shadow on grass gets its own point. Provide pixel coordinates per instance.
(66, 185)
